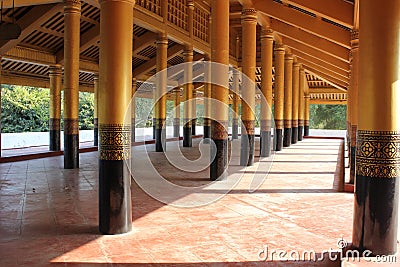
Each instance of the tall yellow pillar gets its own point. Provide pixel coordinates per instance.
(115, 91)
(295, 102)
(287, 110)
(207, 97)
(188, 94)
(177, 113)
(279, 96)
(220, 88)
(160, 110)
(95, 110)
(235, 104)
(249, 53)
(133, 110)
(72, 14)
(55, 73)
(378, 134)
(306, 109)
(354, 102)
(267, 46)
(302, 85)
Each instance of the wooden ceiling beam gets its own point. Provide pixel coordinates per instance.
(30, 22)
(317, 66)
(338, 11)
(327, 78)
(309, 39)
(306, 22)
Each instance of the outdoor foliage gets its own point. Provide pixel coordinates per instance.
(328, 117)
(26, 109)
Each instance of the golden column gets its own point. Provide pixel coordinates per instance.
(302, 85)
(287, 112)
(190, 21)
(115, 90)
(279, 96)
(306, 109)
(348, 115)
(55, 73)
(177, 113)
(354, 60)
(220, 88)
(236, 93)
(235, 104)
(249, 54)
(295, 102)
(378, 135)
(72, 14)
(161, 93)
(96, 108)
(188, 94)
(207, 96)
(133, 110)
(267, 46)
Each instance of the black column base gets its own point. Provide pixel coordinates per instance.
(352, 164)
(265, 143)
(194, 127)
(220, 162)
(375, 214)
(133, 135)
(235, 131)
(278, 139)
(306, 130)
(247, 150)
(300, 133)
(160, 140)
(71, 151)
(187, 136)
(207, 133)
(176, 130)
(287, 137)
(55, 144)
(96, 136)
(115, 207)
(295, 134)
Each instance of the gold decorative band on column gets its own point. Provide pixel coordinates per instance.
(177, 121)
(353, 136)
(219, 130)
(115, 141)
(249, 127)
(72, 6)
(54, 124)
(96, 122)
(71, 126)
(304, 123)
(378, 154)
(159, 123)
(207, 122)
(279, 124)
(249, 14)
(287, 123)
(265, 125)
(295, 123)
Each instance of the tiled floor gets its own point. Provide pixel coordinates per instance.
(48, 215)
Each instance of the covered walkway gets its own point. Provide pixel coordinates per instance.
(49, 216)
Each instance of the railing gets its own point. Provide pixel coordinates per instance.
(177, 13)
(201, 23)
(329, 96)
(154, 6)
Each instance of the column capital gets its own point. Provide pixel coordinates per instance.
(188, 51)
(72, 6)
(279, 48)
(267, 33)
(96, 76)
(354, 34)
(190, 4)
(162, 38)
(289, 57)
(296, 65)
(55, 69)
(249, 15)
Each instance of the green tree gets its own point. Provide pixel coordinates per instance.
(86, 110)
(24, 109)
(328, 117)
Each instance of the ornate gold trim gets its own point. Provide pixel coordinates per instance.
(115, 141)
(265, 125)
(378, 154)
(279, 124)
(71, 126)
(54, 124)
(353, 136)
(287, 123)
(159, 123)
(295, 123)
(248, 127)
(219, 130)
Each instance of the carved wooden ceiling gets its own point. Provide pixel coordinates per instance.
(316, 32)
